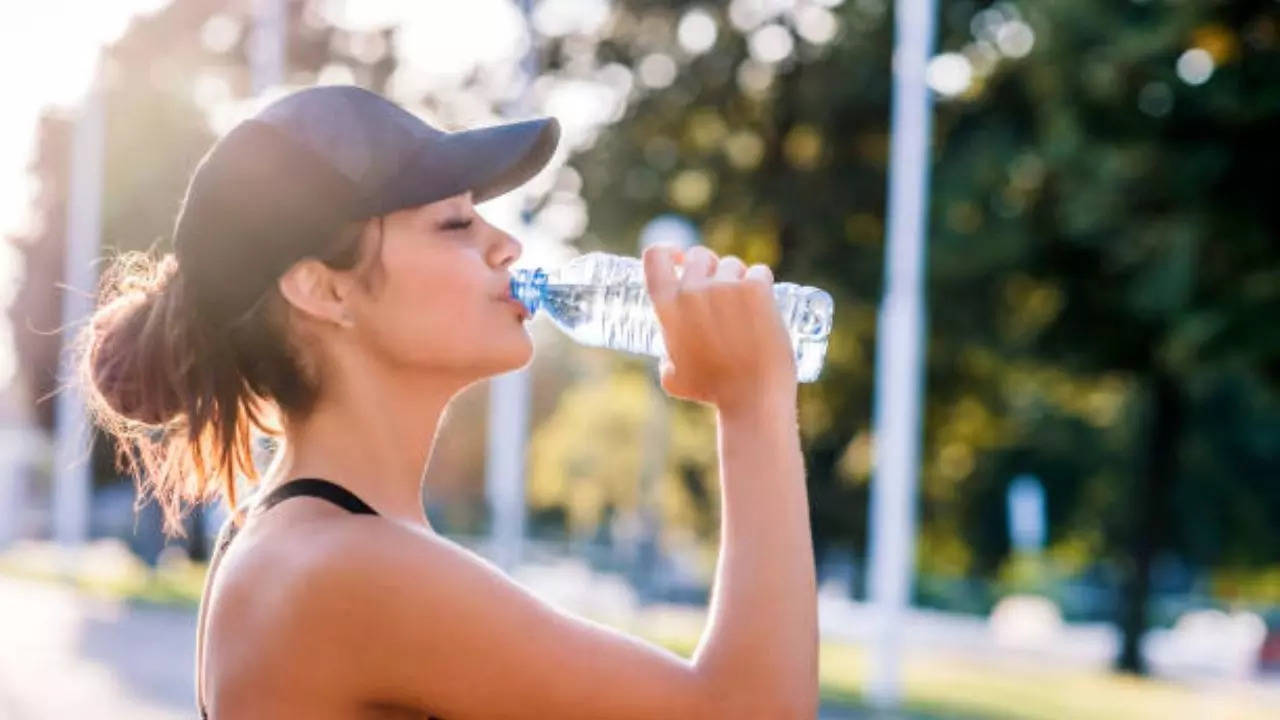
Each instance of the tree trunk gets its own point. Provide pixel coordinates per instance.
(1148, 505)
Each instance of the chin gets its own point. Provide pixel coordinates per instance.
(523, 356)
(514, 356)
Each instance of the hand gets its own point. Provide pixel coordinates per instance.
(726, 344)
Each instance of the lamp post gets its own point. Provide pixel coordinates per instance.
(666, 229)
(900, 348)
(509, 403)
(72, 466)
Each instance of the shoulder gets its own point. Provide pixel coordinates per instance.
(386, 611)
(303, 603)
(299, 562)
(295, 581)
(367, 608)
(370, 573)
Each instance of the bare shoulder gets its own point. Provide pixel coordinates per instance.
(401, 616)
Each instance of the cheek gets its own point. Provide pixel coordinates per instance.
(433, 316)
(438, 312)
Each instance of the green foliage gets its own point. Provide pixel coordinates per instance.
(1103, 271)
(605, 437)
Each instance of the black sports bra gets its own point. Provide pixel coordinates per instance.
(309, 487)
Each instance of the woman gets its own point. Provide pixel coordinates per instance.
(332, 285)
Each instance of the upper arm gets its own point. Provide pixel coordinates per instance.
(416, 619)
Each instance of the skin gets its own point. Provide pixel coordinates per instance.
(318, 613)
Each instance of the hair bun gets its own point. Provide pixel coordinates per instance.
(132, 348)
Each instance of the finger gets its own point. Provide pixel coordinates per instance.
(730, 268)
(759, 272)
(660, 274)
(699, 264)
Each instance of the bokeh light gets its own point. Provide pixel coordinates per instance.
(556, 18)
(657, 70)
(949, 74)
(754, 78)
(696, 31)
(816, 24)
(220, 33)
(1195, 66)
(744, 150)
(690, 190)
(1015, 38)
(771, 44)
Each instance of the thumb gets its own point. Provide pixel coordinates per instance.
(667, 376)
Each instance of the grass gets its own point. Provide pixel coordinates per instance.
(941, 684)
(955, 685)
(109, 572)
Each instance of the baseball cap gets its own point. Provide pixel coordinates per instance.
(275, 188)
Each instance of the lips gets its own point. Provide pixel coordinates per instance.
(517, 306)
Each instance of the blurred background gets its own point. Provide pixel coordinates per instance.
(1093, 515)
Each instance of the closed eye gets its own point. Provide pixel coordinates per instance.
(456, 225)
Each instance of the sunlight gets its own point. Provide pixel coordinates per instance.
(37, 35)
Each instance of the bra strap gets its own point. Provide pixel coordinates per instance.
(317, 487)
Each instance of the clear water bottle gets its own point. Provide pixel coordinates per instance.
(601, 300)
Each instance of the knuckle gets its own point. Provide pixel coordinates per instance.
(761, 293)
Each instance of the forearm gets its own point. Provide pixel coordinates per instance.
(761, 639)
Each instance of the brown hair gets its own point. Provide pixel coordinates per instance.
(178, 397)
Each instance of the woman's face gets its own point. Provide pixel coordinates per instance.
(442, 301)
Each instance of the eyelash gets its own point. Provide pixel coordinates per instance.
(456, 225)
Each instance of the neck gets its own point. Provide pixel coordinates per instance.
(372, 433)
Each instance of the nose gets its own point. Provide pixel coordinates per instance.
(505, 250)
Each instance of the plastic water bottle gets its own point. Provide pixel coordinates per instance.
(601, 300)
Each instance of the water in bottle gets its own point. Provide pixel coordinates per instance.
(600, 299)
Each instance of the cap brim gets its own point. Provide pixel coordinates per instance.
(488, 161)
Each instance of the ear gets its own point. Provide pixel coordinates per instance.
(316, 290)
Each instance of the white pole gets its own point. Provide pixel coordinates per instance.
(504, 471)
(267, 45)
(900, 348)
(668, 229)
(504, 467)
(72, 468)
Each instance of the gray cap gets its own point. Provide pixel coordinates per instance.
(274, 188)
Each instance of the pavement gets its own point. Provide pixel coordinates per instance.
(66, 655)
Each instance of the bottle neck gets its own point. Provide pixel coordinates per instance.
(528, 286)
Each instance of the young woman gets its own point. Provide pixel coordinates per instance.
(332, 285)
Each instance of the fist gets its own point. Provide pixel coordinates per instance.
(726, 343)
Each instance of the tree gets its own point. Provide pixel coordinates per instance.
(1103, 265)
